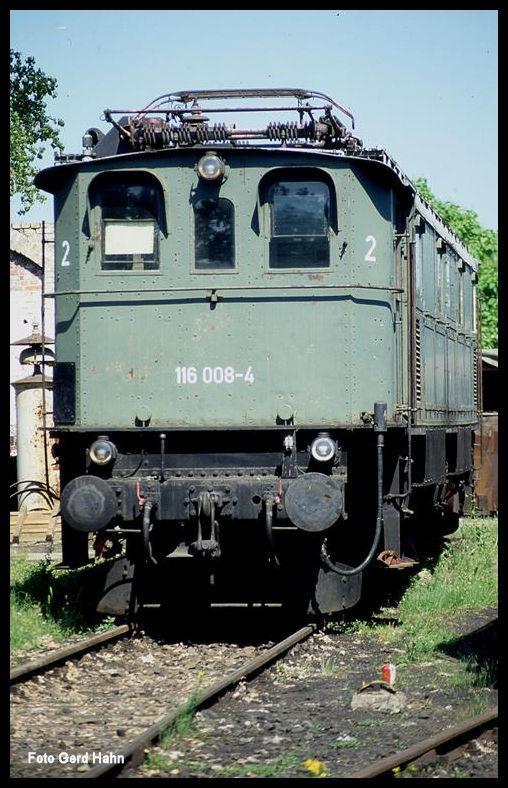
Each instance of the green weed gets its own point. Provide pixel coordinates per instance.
(464, 578)
(49, 604)
(183, 724)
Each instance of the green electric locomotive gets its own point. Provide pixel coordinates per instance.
(266, 366)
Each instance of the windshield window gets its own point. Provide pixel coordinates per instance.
(299, 226)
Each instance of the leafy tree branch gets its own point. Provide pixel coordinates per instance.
(31, 127)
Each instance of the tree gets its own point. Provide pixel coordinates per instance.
(31, 126)
(483, 244)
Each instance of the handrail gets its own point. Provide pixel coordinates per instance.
(186, 96)
(198, 288)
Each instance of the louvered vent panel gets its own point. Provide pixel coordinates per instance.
(418, 362)
(476, 399)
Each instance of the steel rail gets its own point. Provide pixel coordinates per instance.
(133, 752)
(27, 669)
(442, 741)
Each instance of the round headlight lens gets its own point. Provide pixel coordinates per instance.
(323, 448)
(102, 451)
(210, 167)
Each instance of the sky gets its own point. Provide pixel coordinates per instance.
(421, 84)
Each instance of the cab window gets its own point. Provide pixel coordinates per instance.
(214, 234)
(127, 209)
(299, 223)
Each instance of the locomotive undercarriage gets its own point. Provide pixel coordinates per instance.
(271, 521)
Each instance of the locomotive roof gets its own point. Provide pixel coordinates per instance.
(169, 123)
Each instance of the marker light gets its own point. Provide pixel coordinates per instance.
(323, 448)
(210, 167)
(102, 450)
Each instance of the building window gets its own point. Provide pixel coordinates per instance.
(214, 234)
(299, 223)
(128, 209)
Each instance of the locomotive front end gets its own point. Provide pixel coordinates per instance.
(232, 347)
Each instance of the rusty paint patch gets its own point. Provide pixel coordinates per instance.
(141, 373)
(392, 560)
(486, 465)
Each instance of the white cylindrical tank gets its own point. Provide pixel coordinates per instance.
(34, 452)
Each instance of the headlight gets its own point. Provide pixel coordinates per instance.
(323, 448)
(210, 167)
(102, 450)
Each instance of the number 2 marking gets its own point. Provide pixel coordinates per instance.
(369, 257)
(65, 261)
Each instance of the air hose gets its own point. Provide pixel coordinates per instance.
(147, 507)
(380, 428)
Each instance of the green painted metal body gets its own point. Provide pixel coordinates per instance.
(254, 346)
(307, 343)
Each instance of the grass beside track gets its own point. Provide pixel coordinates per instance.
(48, 606)
(463, 579)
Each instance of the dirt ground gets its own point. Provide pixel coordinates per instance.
(297, 720)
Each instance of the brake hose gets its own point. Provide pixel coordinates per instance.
(380, 427)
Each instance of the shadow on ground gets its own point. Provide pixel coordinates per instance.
(479, 649)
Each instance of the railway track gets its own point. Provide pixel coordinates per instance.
(26, 670)
(72, 713)
(134, 752)
(211, 670)
(297, 719)
(448, 745)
